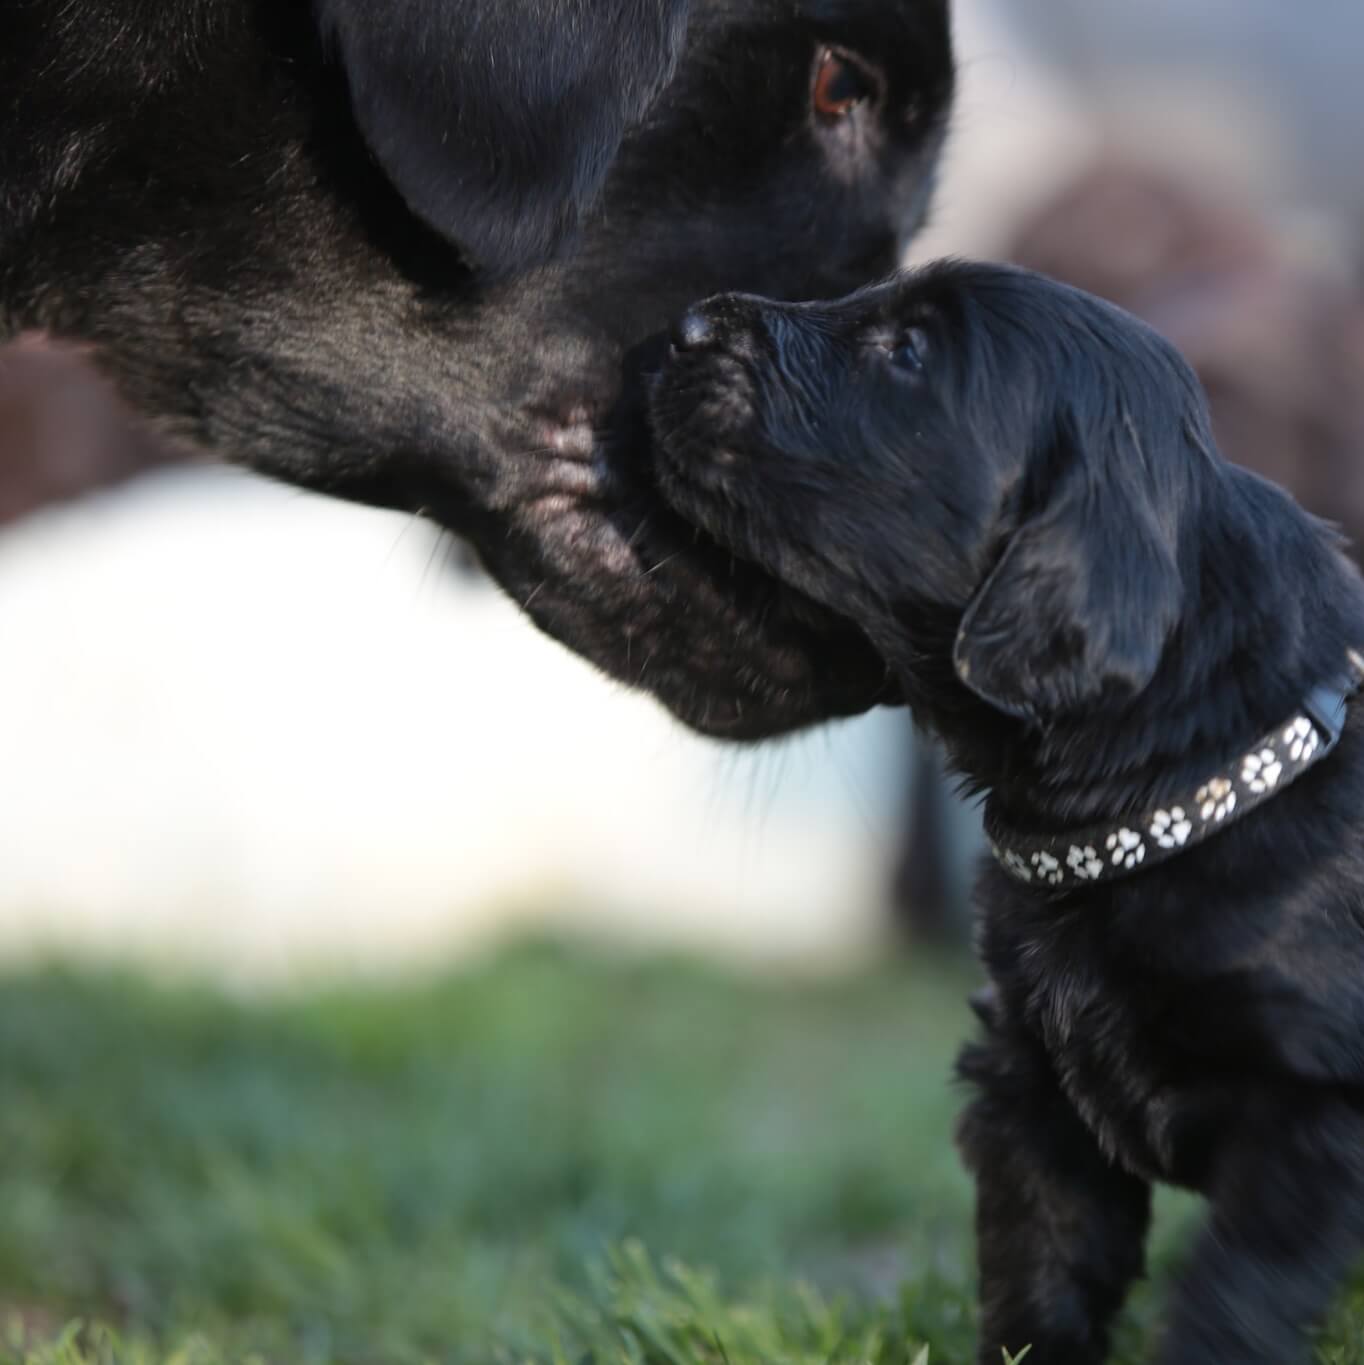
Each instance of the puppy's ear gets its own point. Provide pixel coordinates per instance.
(498, 120)
(1078, 609)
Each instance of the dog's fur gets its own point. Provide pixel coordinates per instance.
(1039, 508)
(408, 253)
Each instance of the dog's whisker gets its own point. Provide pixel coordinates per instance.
(638, 533)
(440, 547)
(662, 563)
(404, 531)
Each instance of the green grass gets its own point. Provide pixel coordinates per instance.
(552, 1157)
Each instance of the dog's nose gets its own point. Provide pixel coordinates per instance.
(694, 331)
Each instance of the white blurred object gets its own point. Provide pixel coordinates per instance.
(263, 733)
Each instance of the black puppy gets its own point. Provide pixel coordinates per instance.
(405, 252)
(1144, 655)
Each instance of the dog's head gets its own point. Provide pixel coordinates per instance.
(988, 472)
(717, 136)
(413, 253)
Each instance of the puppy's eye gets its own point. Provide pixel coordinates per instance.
(910, 349)
(840, 85)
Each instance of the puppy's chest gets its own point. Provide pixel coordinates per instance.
(1099, 1020)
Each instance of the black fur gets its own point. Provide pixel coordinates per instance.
(1026, 514)
(412, 253)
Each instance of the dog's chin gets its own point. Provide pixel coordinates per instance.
(728, 650)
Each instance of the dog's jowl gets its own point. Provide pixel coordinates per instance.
(1147, 660)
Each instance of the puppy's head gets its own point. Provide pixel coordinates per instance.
(986, 471)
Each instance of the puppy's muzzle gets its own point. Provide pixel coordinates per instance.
(729, 323)
(694, 331)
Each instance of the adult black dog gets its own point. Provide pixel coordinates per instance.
(1144, 655)
(406, 253)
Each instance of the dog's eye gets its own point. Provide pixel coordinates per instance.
(910, 350)
(840, 85)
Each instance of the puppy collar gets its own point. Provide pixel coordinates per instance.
(1105, 852)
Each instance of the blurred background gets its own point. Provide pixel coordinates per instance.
(256, 739)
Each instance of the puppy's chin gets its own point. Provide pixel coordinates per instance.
(701, 420)
(700, 414)
(709, 453)
(708, 459)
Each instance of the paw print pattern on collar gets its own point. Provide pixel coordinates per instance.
(1215, 799)
(1084, 862)
(1125, 848)
(1107, 851)
(1047, 868)
(1171, 828)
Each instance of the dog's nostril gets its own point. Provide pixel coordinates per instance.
(693, 331)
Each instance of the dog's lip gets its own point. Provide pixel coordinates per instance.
(581, 498)
(805, 678)
(727, 719)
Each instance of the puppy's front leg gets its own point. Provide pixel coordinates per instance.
(1059, 1228)
(1287, 1223)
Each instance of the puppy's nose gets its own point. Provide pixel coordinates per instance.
(694, 331)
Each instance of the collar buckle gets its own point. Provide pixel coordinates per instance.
(1326, 704)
